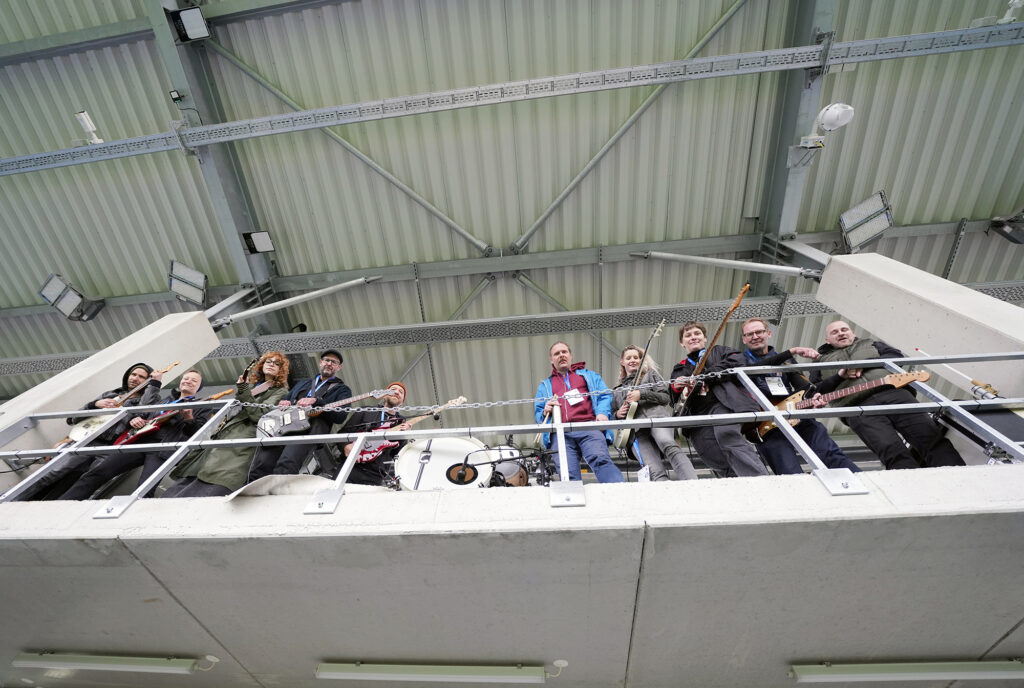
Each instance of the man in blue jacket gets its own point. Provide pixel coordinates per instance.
(582, 396)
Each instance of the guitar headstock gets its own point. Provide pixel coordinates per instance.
(904, 379)
(458, 401)
(659, 328)
(218, 395)
(176, 363)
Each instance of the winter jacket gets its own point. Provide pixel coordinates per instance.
(601, 399)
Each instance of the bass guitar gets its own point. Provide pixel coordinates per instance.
(796, 401)
(131, 435)
(373, 448)
(288, 420)
(624, 438)
(80, 430)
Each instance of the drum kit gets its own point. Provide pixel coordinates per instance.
(450, 463)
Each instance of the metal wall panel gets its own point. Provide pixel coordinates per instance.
(27, 19)
(940, 134)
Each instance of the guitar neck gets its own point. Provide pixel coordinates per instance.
(343, 402)
(839, 394)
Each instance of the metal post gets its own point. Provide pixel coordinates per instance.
(116, 506)
(838, 481)
(326, 501)
(565, 492)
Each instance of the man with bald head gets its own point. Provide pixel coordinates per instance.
(884, 435)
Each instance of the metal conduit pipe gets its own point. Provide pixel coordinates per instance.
(734, 264)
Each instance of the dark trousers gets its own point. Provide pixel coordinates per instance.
(194, 487)
(109, 466)
(724, 450)
(884, 435)
(58, 479)
(783, 458)
(287, 460)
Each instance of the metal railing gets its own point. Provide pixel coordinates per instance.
(838, 481)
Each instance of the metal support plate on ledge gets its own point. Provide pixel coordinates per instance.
(325, 501)
(567, 493)
(115, 506)
(840, 481)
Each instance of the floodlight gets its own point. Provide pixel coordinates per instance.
(830, 118)
(190, 24)
(866, 221)
(188, 284)
(1010, 227)
(258, 242)
(460, 673)
(907, 671)
(62, 295)
(88, 127)
(146, 665)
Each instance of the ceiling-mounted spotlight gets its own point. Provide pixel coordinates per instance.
(1010, 227)
(830, 118)
(258, 242)
(866, 221)
(190, 24)
(88, 127)
(188, 284)
(59, 293)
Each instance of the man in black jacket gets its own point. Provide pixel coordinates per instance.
(178, 426)
(774, 447)
(883, 435)
(722, 447)
(373, 465)
(323, 389)
(74, 466)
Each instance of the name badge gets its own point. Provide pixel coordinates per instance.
(776, 386)
(573, 397)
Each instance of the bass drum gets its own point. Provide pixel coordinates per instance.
(444, 463)
(509, 471)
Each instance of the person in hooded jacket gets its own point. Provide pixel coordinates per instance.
(222, 470)
(60, 478)
(178, 427)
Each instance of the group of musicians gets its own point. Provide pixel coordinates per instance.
(899, 440)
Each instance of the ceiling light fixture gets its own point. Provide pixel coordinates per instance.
(146, 665)
(866, 221)
(258, 242)
(830, 118)
(62, 295)
(190, 24)
(88, 127)
(440, 673)
(188, 284)
(907, 671)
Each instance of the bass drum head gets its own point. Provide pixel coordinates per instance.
(443, 469)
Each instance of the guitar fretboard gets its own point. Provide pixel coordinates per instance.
(845, 392)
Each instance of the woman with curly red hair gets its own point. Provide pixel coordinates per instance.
(222, 470)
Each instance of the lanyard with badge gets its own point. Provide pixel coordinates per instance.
(572, 396)
(776, 383)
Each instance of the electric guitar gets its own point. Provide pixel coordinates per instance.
(288, 420)
(796, 401)
(624, 438)
(151, 426)
(373, 448)
(79, 431)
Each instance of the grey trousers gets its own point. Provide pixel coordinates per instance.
(658, 444)
(724, 449)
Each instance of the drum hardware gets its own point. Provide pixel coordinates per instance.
(424, 460)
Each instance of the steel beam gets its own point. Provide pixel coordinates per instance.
(784, 59)
(481, 246)
(519, 245)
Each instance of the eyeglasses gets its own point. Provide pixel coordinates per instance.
(273, 362)
(756, 333)
(332, 361)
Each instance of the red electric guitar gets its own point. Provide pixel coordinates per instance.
(151, 426)
(373, 448)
